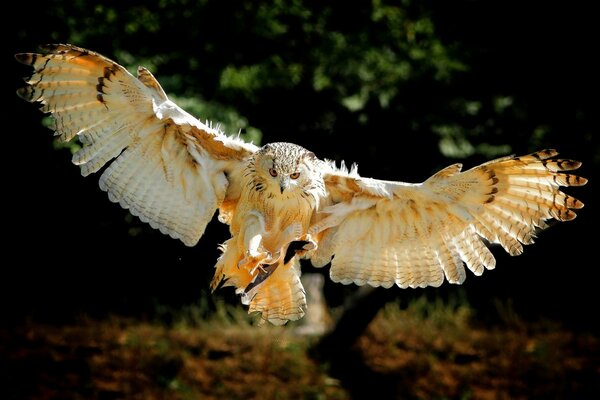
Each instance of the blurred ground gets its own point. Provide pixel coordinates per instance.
(426, 351)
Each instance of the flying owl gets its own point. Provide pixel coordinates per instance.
(281, 202)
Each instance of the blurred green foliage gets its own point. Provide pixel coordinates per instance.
(329, 69)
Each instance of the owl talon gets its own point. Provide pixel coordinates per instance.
(254, 261)
(264, 271)
(299, 248)
(308, 246)
(260, 267)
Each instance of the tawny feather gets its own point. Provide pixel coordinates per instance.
(156, 175)
(444, 220)
(281, 202)
(281, 297)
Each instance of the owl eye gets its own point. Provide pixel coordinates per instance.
(272, 172)
(295, 175)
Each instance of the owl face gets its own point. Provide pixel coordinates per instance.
(284, 169)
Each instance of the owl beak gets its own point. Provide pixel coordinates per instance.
(284, 183)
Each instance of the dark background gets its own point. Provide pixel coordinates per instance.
(402, 90)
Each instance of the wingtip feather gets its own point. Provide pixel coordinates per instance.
(25, 93)
(55, 47)
(545, 154)
(26, 58)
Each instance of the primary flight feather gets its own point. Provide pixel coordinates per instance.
(281, 202)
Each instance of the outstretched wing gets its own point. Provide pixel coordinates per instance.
(170, 169)
(384, 233)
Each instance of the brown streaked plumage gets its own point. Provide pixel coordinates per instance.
(280, 201)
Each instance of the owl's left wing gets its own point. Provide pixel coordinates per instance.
(383, 233)
(165, 166)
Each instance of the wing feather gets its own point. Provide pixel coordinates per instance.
(169, 169)
(413, 235)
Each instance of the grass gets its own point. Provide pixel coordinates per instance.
(429, 349)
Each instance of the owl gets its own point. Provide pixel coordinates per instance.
(281, 202)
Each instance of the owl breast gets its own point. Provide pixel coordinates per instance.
(289, 212)
(282, 213)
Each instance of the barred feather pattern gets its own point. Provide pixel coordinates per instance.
(281, 297)
(414, 235)
(278, 299)
(173, 172)
(169, 168)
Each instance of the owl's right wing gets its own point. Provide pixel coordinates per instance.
(384, 233)
(169, 169)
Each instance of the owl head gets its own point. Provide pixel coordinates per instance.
(285, 169)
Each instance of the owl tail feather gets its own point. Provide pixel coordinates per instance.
(279, 296)
(275, 291)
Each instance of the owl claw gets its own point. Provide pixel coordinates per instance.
(308, 246)
(263, 272)
(299, 247)
(260, 267)
(254, 261)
